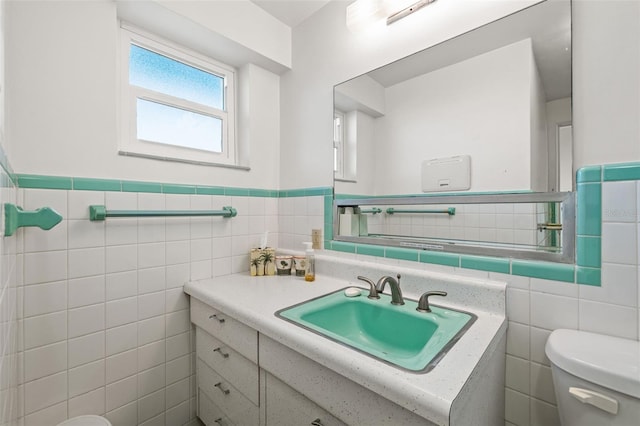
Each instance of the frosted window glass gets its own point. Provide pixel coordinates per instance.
(174, 126)
(159, 73)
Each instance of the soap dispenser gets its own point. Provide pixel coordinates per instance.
(310, 267)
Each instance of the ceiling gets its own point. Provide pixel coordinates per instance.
(291, 12)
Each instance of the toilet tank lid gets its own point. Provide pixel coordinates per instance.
(608, 361)
(86, 420)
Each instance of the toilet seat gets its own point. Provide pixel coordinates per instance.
(89, 420)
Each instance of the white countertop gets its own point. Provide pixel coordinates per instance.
(254, 300)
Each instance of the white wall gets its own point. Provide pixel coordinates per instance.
(62, 88)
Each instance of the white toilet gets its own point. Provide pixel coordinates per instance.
(596, 378)
(89, 420)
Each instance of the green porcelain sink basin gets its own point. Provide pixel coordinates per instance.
(397, 335)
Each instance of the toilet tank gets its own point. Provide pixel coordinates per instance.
(596, 378)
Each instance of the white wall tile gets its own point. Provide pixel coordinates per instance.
(176, 300)
(45, 267)
(200, 270)
(517, 374)
(121, 232)
(36, 239)
(37, 198)
(551, 311)
(84, 233)
(619, 243)
(554, 287)
(45, 298)
(89, 403)
(178, 345)
(121, 366)
(121, 285)
(151, 380)
(151, 305)
(517, 408)
(619, 286)
(121, 258)
(177, 393)
(612, 320)
(177, 252)
(122, 392)
(619, 201)
(178, 415)
(201, 249)
(122, 311)
(151, 330)
(518, 305)
(150, 406)
(86, 320)
(79, 202)
(539, 339)
(45, 329)
(542, 383)
(126, 415)
(45, 392)
(151, 355)
(86, 378)
(120, 339)
(86, 349)
(151, 230)
(177, 275)
(151, 255)
(518, 340)
(178, 369)
(543, 413)
(178, 322)
(86, 291)
(151, 280)
(86, 262)
(50, 415)
(45, 360)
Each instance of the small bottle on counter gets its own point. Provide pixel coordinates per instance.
(310, 264)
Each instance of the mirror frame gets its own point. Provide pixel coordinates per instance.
(567, 209)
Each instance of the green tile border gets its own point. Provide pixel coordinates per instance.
(621, 171)
(588, 219)
(491, 264)
(544, 270)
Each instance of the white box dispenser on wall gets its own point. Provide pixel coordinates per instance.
(446, 174)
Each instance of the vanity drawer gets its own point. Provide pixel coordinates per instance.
(240, 337)
(236, 406)
(209, 412)
(238, 370)
(288, 407)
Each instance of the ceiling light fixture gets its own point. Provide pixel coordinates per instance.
(408, 11)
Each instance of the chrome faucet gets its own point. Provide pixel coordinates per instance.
(396, 293)
(423, 303)
(373, 291)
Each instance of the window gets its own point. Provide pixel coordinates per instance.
(338, 144)
(177, 105)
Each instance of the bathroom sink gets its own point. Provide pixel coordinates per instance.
(397, 335)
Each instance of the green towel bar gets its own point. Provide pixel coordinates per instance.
(450, 211)
(14, 218)
(101, 213)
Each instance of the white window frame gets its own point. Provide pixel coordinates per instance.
(339, 136)
(129, 144)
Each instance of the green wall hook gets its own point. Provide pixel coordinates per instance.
(14, 218)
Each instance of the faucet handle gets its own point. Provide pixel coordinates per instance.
(423, 303)
(373, 291)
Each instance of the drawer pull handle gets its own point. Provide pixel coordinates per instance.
(219, 386)
(316, 422)
(219, 421)
(219, 350)
(220, 320)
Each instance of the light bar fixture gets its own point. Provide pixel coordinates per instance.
(408, 11)
(365, 13)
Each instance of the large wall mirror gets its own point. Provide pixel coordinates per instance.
(487, 112)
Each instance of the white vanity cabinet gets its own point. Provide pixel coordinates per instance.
(226, 368)
(286, 406)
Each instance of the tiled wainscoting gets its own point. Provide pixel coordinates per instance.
(105, 322)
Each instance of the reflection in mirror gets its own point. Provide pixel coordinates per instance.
(500, 94)
(530, 226)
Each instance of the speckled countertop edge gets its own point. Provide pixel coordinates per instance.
(254, 301)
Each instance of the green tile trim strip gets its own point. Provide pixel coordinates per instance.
(589, 209)
(85, 184)
(492, 264)
(589, 174)
(44, 182)
(588, 251)
(401, 253)
(377, 251)
(588, 276)
(439, 258)
(622, 171)
(343, 247)
(544, 270)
